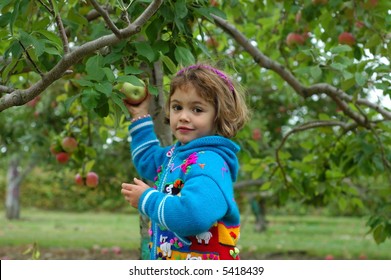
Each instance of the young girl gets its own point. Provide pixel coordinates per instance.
(191, 206)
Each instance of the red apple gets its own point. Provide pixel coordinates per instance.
(329, 257)
(92, 179)
(362, 257)
(79, 180)
(69, 144)
(294, 39)
(134, 94)
(370, 4)
(256, 134)
(359, 24)
(214, 3)
(346, 38)
(116, 250)
(62, 157)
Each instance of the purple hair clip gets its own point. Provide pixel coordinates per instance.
(214, 70)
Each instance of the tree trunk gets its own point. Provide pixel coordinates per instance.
(163, 132)
(14, 178)
(258, 207)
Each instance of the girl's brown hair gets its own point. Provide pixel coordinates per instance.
(215, 87)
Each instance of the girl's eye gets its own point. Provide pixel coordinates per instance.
(198, 110)
(176, 107)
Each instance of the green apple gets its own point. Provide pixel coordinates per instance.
(134, 94)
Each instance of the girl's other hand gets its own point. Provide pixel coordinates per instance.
(132, 192)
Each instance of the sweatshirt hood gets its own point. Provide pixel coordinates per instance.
(224, 147)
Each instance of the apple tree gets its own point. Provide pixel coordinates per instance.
(316, 73)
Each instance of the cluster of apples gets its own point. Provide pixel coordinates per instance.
(62, 150)
(90, 180)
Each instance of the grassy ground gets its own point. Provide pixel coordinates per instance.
(91, 235)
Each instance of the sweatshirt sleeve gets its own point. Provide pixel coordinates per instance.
(203, 200)
(146, 152)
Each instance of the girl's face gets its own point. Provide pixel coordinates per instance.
(191, 116)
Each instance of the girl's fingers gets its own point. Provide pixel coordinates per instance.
(127, 186)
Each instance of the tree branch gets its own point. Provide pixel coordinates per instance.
(303, 127)
(337, 95)
(4, 89)
(21, 97)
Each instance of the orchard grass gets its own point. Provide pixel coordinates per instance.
(287, 237)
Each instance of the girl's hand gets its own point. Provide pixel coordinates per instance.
(132, 192)
(140, 109)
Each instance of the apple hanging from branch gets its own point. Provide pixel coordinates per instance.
(134, 94)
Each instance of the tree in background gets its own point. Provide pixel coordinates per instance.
(316, 73)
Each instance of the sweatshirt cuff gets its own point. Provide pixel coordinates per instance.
(143, 200)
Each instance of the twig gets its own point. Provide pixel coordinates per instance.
(49, 9)
(30, 59)
(303, 127)
(61, 29)
(4, 89)
(107, 19)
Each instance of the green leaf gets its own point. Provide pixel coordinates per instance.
(265, 186)
(77, 18)
(379, 233)
(183, 56)
(103, 110)
(153, 29)
(153, 90)
(316, 72)
(88, 166)
(14, 16)
(361, 78)
(374, 41)
(340, 48)
(68, 103)
(144, 49)
(131, 79)
(94, 68)
(105, 87)
(120, 103)
(53, 38)
(89, 99)
(8, 68)
(109, 74)
(168, 63)
(52, 51)
(133, 70)
(28, 40)
(83, 82)
(5, 19)
(180, 9)
(4, 3)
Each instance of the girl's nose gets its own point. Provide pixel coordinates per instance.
(184, 116)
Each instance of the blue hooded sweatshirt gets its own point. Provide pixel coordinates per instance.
(191, 205)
